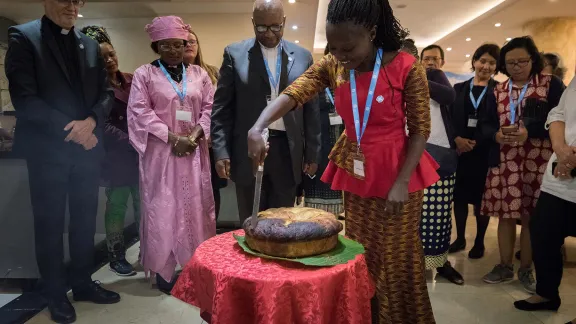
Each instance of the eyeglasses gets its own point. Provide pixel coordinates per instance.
(191, 43)
(168, 48)
(76, 3)
(263, 28)
(431, 59)
(520, 63)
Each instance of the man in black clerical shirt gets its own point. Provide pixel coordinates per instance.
(58, 86)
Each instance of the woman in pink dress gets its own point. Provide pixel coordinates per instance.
(513, 187)
(168, 116)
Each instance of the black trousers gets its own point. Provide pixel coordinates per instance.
(51, 184)
(278, 185)
(553, 220)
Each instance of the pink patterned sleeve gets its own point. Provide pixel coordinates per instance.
(207, 101)
(314, 80)
(142, 120)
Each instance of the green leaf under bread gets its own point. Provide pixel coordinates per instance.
(345, 251)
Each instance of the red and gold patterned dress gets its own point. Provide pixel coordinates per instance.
(393, 248)
(513, 188)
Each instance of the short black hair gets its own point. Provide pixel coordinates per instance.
(370, 13)
(490, 49)
(527, 43)
(431, 47)
(409, 45)
(558, 68)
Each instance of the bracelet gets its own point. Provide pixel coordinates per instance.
(177, 141)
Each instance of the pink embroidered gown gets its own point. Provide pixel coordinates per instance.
(177, 200)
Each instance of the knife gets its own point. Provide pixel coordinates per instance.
(258, 187)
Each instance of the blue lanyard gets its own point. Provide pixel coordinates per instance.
(329, 95)
(514, 105)
(476, 103)
(275, 81)
(369, 98)
(181, 94)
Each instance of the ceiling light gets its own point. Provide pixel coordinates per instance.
(294, 27)
(468, 39)
(467, 55)
(449, 49)
(292, 1)
(296, 41)
(497, 24)
(80, 16)
(508, 39)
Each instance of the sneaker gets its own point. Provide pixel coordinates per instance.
(526, 277)
(500, 273)
(122, 268)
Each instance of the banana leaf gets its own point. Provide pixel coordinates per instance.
(345, 250)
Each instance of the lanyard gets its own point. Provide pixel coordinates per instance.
(369, 98)
(329, 95)
(181, 94)
(275, 81)
(476, 103)
(514, 105)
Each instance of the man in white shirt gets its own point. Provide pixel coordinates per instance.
(254, 72)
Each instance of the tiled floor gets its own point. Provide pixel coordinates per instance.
(475, 302)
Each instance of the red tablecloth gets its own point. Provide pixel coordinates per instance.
(237, 288)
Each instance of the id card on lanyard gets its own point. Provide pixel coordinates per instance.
(359, 158)
(274, 81)
(473, 119)
(181, 114)
(515, 105)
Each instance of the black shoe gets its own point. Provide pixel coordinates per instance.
(518, 255)
(477, 252)
(551, 305)
(165, 286)
(94, 293)
(122, 268)
(450, 274)
(457, 246)
(61, 310)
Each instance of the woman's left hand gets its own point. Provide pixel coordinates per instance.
(397, 197)
(196, 134)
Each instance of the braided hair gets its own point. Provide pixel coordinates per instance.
(370, 13)
(97, 33)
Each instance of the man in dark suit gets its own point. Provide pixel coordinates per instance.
(59, 89)
(254, 72)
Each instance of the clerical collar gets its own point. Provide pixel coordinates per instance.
(57, 30)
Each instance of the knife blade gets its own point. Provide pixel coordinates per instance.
(258, 187)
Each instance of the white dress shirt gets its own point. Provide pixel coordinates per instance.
(566, 112)
(438, 134)
(271, 55)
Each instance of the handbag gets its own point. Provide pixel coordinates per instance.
(446, 157)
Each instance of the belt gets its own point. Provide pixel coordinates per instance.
(276, 133)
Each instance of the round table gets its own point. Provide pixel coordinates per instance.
(233, 287)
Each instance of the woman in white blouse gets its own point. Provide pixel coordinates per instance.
(555, 216)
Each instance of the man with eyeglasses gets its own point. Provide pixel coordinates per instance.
(255, 72)
(58, 86)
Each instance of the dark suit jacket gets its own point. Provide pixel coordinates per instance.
(43, 96)
(240, 99)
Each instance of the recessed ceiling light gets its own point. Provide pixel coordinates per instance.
(292, 1)
(467, 55)
(468, 39)
(80, 16)
(401, 6)
(508, 39)
(296, 41)
(449, 49)
(294, 27)
(497, 24)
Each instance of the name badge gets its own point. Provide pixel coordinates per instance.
(335, 120)
(359, 161)
(182, 115)
(472, 121)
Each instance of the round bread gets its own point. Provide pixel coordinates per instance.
(293, 232)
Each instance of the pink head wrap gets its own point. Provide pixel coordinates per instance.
(168, 27)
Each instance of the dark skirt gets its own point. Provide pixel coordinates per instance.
(471, 176)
